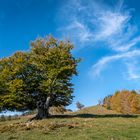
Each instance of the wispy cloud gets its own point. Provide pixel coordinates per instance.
(92, 22)
(128, 44)
(103, 62)
(115, 29)
(111, 24)
(133, 72)
(79, 31)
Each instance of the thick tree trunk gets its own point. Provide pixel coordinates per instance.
(42, 113)
(42, 109)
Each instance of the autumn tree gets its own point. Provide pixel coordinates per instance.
(126, 102)
(135, 104)
(39, 78)
(106, 102)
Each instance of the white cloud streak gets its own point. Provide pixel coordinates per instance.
(133, 71)
(100, 65)
(111, 24)
(92, 22)
(82, 31)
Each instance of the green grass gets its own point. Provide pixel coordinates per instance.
(93, 123)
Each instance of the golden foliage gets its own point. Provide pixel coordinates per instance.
(126, 102)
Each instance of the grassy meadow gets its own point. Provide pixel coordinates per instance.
(92, 123)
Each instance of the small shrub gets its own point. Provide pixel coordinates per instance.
(79, 105)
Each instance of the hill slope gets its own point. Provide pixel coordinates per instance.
(92, 123)
(99, 110)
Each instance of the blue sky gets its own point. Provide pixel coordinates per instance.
(105, 33)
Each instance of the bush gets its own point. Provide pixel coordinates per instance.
(79, 105)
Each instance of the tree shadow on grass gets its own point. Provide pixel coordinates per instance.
(95, 116)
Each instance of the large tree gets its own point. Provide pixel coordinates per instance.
(39, 78)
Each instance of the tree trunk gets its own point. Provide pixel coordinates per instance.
(42, 109)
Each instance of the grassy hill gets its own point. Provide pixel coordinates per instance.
(97, 110)
(91, 123)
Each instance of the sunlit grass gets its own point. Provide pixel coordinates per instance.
(74, 127)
